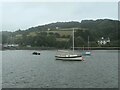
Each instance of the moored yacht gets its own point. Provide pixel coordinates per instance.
(66, 55)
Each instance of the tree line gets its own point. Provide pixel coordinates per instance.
(39, 36)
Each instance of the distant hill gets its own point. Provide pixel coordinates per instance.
(48, 35)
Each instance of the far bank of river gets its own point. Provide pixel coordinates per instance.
(53, 48)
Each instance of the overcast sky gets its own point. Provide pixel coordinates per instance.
(16, 15)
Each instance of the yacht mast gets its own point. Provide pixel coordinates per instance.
(73, 39)
(88, 42)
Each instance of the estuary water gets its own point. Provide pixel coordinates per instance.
(21, 69)
(0, 69)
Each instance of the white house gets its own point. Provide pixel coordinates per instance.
(103, 41)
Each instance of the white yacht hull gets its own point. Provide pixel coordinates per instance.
(70, 58)
(87, 53)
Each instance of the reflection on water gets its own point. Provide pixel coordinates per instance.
(21, 69)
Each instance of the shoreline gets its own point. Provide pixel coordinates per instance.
(53, 48)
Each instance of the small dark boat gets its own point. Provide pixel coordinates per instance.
(36, 53)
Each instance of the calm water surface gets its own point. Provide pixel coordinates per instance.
(21, 69)
(0, 69)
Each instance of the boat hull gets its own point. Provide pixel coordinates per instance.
(87, 53)
(74, 58)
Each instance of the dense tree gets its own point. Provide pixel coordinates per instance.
(40, 37)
